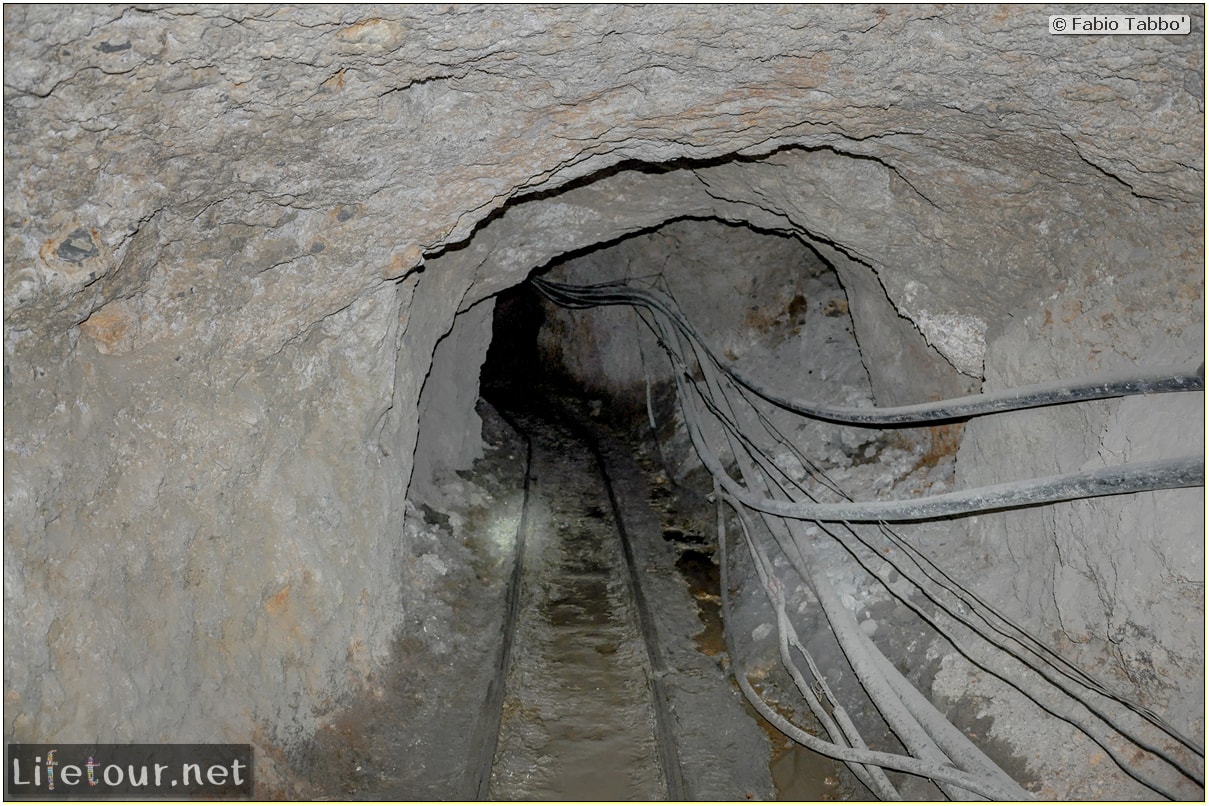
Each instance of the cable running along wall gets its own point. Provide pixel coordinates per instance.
(778, 513)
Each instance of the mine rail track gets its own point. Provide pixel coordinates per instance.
(487, 736)
(487, 739)
(668, 753)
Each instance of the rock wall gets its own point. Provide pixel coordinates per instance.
(234, 237)
(450, 431)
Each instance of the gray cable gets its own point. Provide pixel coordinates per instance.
(838, 726)
(888, 706)
(917, 728)
(1120, 383)
(1052, 667)
(670, 327)
(1134, 477)
(1031, 652)
(938, 772)
(938, 730)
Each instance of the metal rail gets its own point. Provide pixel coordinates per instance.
(487, 735)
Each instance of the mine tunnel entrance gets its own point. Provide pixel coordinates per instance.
(565, 594)
(597, 598)
(766, 300)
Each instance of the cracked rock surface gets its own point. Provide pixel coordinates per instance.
(234, 236)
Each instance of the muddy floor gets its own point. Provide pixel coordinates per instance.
(577, 716)
(578, 721)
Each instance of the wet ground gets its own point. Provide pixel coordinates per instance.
(578, 719)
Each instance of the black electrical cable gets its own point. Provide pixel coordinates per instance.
(922, 729)
(1121, 383)
(1187, 471)
(1044, 661)
(953, 741)
(1134, 477)
(1092, 729)
(1117, 480)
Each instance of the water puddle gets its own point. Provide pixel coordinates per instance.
(698, 569)
(798, 774)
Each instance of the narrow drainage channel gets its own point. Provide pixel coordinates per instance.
(798, 774)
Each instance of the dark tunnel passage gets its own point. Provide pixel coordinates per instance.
(574, 379)
(546, 366)
(513, 362)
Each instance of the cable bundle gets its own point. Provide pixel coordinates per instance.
(712, 393)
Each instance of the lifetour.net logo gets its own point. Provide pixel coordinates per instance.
(119, 771)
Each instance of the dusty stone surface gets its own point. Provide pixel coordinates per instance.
(450, 431)
(217, 326)
(1079, 583)
(1118, 583)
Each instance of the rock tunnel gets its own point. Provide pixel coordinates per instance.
(255, 259)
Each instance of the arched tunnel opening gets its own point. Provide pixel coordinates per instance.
(576, 377)
(785, 310)
(678, 402)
